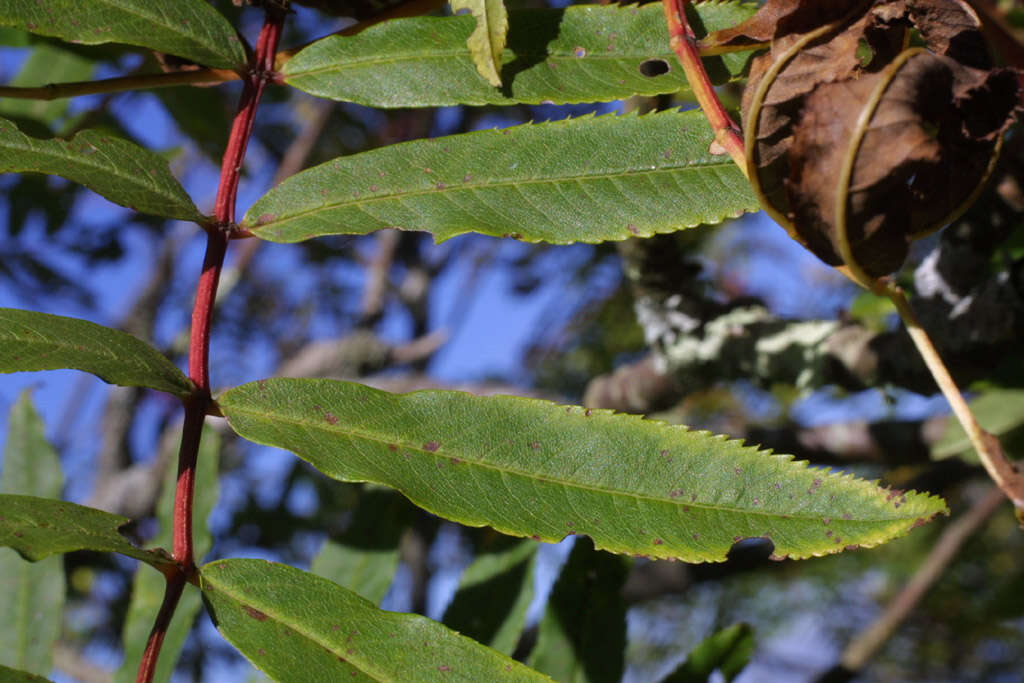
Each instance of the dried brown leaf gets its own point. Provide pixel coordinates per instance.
(838, 91)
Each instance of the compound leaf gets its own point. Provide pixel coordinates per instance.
(532, 468)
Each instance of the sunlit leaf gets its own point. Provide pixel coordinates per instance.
(533, 468)
(121, 171)
(582, 636)
(187, 28)
(487, 41)
(296, 626)
(587, 53)
(364, 558)
(148, 587)
(640, 175)
(40, 527)
(30, 340)
(727, 651)
(495, 592)
(33, 595)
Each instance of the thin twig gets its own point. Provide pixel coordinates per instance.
(1003, 472)
(864, 646)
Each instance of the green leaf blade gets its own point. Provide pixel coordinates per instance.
(186, 28)
(119, 170)
(364, 558)
(582, 636)
(40, 527)
(532, 468)
(641, 175)
(585, 53)
(30, 613)
(333, 634)
(31, 341)
(727, 651)
(495, 592)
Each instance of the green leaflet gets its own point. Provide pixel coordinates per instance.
(148, 587)
(640, 175)
(121, 171)
(533, 468)
(364, 558)
(495, 592)
(582, 636)
(40, 527)
(186, 28)
(728, 651)
(38, 341)
(14, 676)
(487, 41)
(296, 626)
(33, 595)
(1000, 411)
(586, 53)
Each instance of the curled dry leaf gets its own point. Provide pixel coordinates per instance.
(870, 123)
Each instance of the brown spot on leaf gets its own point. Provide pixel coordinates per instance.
(331, 418)
(431, 446)
(658, 541)
(535, 445)
(254, 613)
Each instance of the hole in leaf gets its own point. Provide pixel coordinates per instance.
(750, 552)
(654, 67)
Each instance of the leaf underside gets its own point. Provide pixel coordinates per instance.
(587, 53)
(119, 170)
(33, 595)
(640, 175)
(31, 341)
(40, 527)
(297, 626)
(532, 468)
(186, 28)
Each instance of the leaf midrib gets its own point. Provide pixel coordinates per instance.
(353, 433)
(475, 186)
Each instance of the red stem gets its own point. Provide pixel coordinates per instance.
(684, 43)
(259, 73)
(147, 667)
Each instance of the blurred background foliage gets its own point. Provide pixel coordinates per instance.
(811, 367)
